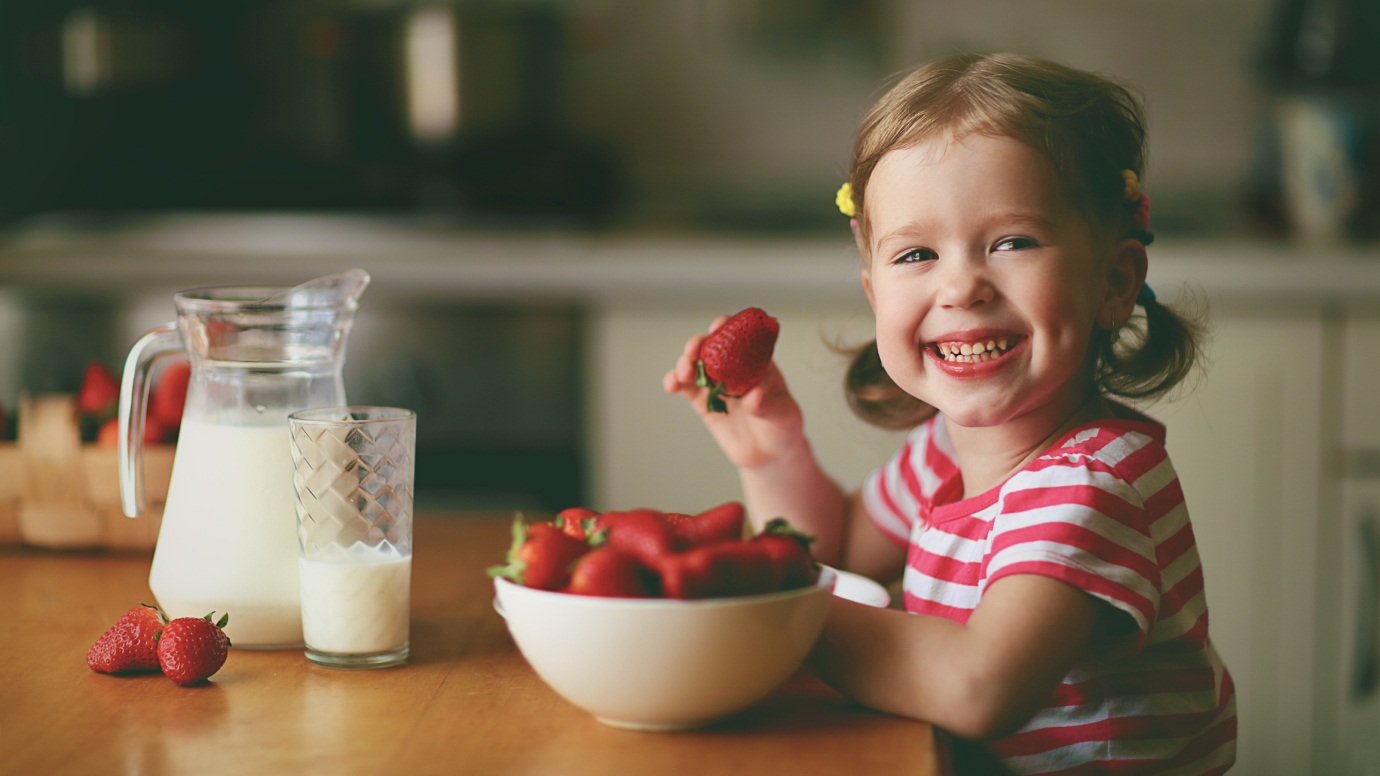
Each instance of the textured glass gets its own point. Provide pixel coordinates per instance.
(353, 474)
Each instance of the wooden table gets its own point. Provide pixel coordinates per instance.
(467, 702)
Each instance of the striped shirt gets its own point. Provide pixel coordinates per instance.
(1101, 510)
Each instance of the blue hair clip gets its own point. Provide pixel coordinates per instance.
(1146, 295)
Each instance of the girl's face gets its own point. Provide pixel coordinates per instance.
(985, 280)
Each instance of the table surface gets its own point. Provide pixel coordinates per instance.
(467, 702)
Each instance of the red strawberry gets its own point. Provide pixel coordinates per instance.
(109, 433)
(169, 394)
(191, 649)
(734, 356)
(642, 533)
(576, 521)
(608, 571)
(100, 391)
(131, 644)
(713, 570)
(789, 551)
(540, 556)
(716, 524)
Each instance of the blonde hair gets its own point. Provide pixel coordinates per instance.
(1090, 128)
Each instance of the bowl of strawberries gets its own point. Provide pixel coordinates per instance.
(661, 621)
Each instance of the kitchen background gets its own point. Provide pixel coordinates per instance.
(552, 195)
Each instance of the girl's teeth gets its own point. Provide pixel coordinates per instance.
(971, 352)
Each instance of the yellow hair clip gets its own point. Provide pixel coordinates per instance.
(1132, 191)
(844, 199)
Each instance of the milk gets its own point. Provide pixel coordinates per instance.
(356, 607)
(228, 542)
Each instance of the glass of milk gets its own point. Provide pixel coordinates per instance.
(353, 474)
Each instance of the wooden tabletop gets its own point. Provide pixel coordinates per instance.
(466, 703)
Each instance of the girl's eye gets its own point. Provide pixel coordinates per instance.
(1014, 243)
(916, 256)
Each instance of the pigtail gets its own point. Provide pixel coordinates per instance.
(1162, 350)
(876, 398)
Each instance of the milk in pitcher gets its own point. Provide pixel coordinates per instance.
(228, 542)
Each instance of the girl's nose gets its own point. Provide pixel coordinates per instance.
(963, 282)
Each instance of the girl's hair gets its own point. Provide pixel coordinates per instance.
(1090, 129)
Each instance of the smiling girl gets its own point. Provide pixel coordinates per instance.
(1054, 600)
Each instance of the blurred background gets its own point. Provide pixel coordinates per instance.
(552, 195)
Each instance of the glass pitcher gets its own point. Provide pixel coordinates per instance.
(228, 542)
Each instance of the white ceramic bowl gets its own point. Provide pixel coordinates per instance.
(662, 664)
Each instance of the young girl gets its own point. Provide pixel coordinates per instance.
(1054, 598)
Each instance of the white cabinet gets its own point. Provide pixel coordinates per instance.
(1348, 702)
(1248, 445)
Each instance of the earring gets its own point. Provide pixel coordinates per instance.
(1113, 333)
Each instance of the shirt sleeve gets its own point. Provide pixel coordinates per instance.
(894, 494)
(1075, 519)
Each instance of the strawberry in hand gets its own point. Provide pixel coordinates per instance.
(130, 645)
(734, 356)
(192, 649)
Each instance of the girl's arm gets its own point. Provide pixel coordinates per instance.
(978, 680)
(763, 435)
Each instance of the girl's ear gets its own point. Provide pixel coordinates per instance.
(866, 262)
(1125, 276)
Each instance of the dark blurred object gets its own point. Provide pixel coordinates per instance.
(1316, 168)
(153, 104)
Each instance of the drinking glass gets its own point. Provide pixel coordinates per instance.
(353, 475)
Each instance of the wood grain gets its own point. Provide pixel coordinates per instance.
(466, 702)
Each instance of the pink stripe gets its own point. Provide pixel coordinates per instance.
(1104, 502)
(950, 569)
(1188, 725)
(917, 605)
(1141, 461)
(1081, 538)
(1083, 579)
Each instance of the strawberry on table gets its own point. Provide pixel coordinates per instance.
(734, 356)
(610, 572)
(192, 649)
(540, 556)
(130, 645)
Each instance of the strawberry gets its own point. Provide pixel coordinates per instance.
(169, 395)
(191, 649)
(540, 556)
(789, 552)
(734, 356)
(131, 644)
(99, 396)
(576, 521)
(713, 570)
(109, 434)
(642, 533)
(715, 524)
(610, 572)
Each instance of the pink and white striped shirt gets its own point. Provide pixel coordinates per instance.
(1103, 511)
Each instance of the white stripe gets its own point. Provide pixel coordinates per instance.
(938, 591)
(1180, 568)
(1181, 622)
(1108, 528)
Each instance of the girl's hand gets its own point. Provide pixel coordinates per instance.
(759, 429)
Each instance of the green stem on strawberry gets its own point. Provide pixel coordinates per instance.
(717, 391)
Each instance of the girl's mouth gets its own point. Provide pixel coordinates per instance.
(974, 352)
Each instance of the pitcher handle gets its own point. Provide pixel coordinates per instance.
(134, 401)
